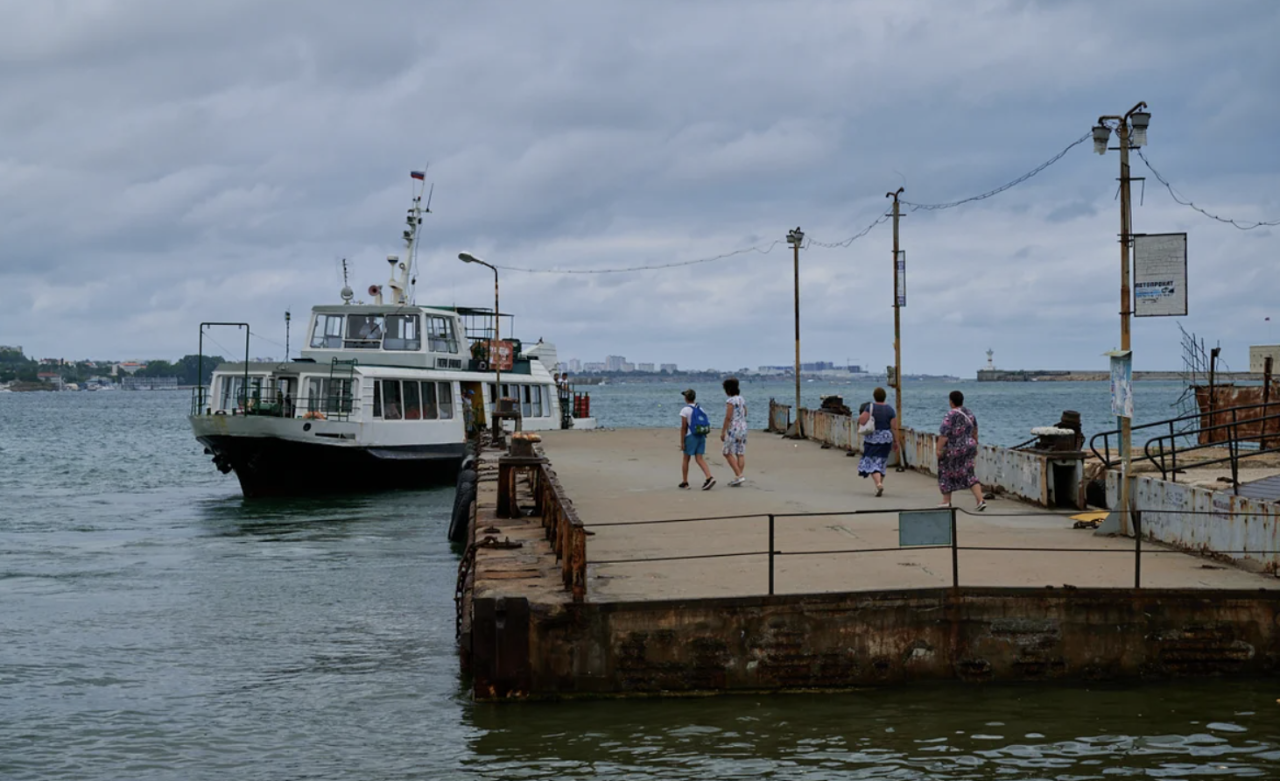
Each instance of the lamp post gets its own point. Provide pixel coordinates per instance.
(494, 357)
(287, 317)
(898, 300)
(795, 238)
(1131, 128)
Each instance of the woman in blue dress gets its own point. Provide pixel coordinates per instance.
(879, 444)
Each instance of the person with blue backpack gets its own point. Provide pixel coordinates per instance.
(694, 427)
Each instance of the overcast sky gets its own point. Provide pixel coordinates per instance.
(164, 163)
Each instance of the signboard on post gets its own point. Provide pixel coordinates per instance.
(1121, 383)
(1160, 275)
(901, 283)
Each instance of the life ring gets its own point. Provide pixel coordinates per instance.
(313, 415)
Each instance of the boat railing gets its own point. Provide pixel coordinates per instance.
(276, 405)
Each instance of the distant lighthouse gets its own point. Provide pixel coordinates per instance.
(990, 363)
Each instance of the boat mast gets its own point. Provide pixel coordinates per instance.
(402, 289)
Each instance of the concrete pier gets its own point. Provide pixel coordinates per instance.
(669, 608)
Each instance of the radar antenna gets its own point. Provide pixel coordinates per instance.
(347, 292)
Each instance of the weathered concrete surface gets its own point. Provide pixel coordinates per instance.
(631, 475)
(837, 620)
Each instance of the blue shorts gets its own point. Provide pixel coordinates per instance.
(695, 444)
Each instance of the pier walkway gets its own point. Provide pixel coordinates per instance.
(619, 479)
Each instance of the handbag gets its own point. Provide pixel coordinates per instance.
(870, 426)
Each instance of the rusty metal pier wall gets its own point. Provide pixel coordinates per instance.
(834, 641)
(1194, 518)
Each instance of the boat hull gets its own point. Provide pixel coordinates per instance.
(268, 466)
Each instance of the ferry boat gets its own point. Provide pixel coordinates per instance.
(386, 394)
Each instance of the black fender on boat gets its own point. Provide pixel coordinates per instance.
(463, 500)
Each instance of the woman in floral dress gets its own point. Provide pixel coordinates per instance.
(957, 450)
(734, 431)
(879, 444)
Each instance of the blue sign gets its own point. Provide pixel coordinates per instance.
(924, 527)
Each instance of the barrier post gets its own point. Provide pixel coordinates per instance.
(1137, 549)
(770, 554)
(955, 553)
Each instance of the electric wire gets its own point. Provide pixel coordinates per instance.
(1247, 226)
(1003, 187)
(675, 264)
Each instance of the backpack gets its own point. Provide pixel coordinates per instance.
(699, 423)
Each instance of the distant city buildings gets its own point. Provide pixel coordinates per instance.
(619, 363)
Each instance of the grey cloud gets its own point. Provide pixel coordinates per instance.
(215, 161)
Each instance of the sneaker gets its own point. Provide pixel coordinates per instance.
(683, 485)
(737, 481)
(707, 485)
(981, 506)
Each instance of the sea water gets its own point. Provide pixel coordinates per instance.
(155, 625)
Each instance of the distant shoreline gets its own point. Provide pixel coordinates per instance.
(1057, 375)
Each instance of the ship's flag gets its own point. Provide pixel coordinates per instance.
(418, 174)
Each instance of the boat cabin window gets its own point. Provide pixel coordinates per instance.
(402, 333)
(234, 393)
(328, 332)
(391, 409)
(440, 335)
(330, 395)
(446, 400)
(530, 398)
(410, 400)
(364, 332)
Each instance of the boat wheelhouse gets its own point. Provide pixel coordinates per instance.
(384, 394)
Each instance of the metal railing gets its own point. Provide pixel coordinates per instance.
(1166, 458)
(274, 404)
(772, 553)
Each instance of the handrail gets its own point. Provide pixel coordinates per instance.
(1170, 422)
(772, 553)
(1233, 445)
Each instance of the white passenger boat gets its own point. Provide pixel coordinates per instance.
(385, 394)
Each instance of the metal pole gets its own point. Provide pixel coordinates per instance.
(897, 320)
(770, 555)
(1137, 550)
(955, 553)
(796, 246)
(1266, 400)
(496, 356)
(1126, 433)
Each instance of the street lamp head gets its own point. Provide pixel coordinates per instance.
(1101, 135)
(1139, 120)
(796, 236)
(467, 257)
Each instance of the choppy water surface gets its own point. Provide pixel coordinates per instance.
(153, 625)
